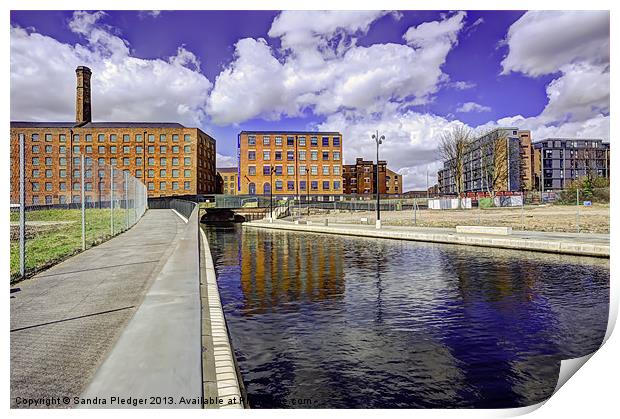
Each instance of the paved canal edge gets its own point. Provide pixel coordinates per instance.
(567, 246)
(222, 384)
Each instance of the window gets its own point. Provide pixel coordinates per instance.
(101, 149)
(126, 138)
(186, 149)
(302, 170)
(62, 199)
(266, 155)
(266, 140)
(336, 170)
(187, 173)
(139, 138)
(100, 138)
(125, 161)
(278, 170)
(62, 186)
(278, 185)
(302, 141)
(314, 155)
(314, 141)
(88, 138)
(151, 149)
(302, 154)
(187, 161)
(35, 137)
(151, 161)
(290, 141)
(113, 137)
(290, 155)
(35, 200)
(162, 149)
(175, 138)
(290, 185)
(314, 185)
(76, 161)
(113, 161)
(162, 138)
(35, 148)
(326, 170)
(175, 148)
(112, 149)
(139, 149)
(162, 161)
(76, 149)
(251, 170)
(151, 173)
(175, 161)
(252, 140)
(187, 138)
(35, 161)
(175, 186)
(48, 186)
(62, 173)
(326, 185)
(325, 155)
(175, 173)
(152, 138)
(62, 149)
(314, 170)
(62, 138)
(48, 172)
(76, 138)
(336, 155)
(302, 185)
(278, 155)
(162, 186)
(88, 186)
(151, 186)
(336, 185)
(89, 149)
(290, 170)
(138, 161)
(126, 149)
(278, 140)
(76, 173)
(266, 170)
(186, 185)
(35, 173)
(325, 141)
(251, 155)
(48, 148)
(35, 186)
(48, 137)
(76, 186)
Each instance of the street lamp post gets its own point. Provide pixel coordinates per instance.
(308, 190)
(378, 140)
(271, 170)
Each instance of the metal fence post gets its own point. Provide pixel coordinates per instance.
(125, 185)
(522, 213)
(22, 207)
(112, 201)
(83, 199)
(577, 210)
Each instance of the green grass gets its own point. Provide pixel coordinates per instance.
(51, 244)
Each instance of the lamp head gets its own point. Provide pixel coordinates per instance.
(374, 136)
(383, 137)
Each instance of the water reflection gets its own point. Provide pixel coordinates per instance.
(351, 322)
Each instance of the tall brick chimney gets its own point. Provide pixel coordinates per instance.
(82, 98)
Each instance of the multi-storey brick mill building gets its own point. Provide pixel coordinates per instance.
(168, 158)
(299, 163)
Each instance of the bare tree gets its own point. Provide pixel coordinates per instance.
(453, 145)
(494, 161)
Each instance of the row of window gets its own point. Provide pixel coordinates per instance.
(88, 161)
(290, 186)
(102, 149)
(290, 155)
(88, 186)
(290, 170)
(290, 141)
(88, 173)
(163, 186)
(112, 137)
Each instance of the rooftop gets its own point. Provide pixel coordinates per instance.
(291, 132)
(227, 169)
(29, 124)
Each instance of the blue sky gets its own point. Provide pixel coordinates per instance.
(409, 74)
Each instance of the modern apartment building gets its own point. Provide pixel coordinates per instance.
(298, 163)
(558, 161)
(527, 160)
(169, 158)
(228, 177)
(492, 161)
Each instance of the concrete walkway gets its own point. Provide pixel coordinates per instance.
(66, 320)
(564, 243)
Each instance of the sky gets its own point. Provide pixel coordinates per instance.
(410, 75)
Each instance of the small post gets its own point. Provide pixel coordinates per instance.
(577, 210)
(83, 199)
(22, 207)
(112, 201)
(522, 211)
(415, 212)
(126, 200)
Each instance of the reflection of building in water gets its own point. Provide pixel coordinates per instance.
(280, 270)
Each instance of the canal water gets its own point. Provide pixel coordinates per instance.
(330, 321)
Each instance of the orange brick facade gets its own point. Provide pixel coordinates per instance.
(168, 158)
(228, 177)
(304, 163)
(394, 182)
(360, 178)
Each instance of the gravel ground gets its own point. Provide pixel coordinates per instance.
(557, 218)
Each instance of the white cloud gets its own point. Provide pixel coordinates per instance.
(463, 85)
(225, 161)
(473, 107)
(125, 88)
(542, 42)
(324, 71)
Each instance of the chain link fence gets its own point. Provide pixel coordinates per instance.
(570, 210)
(68, 207)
